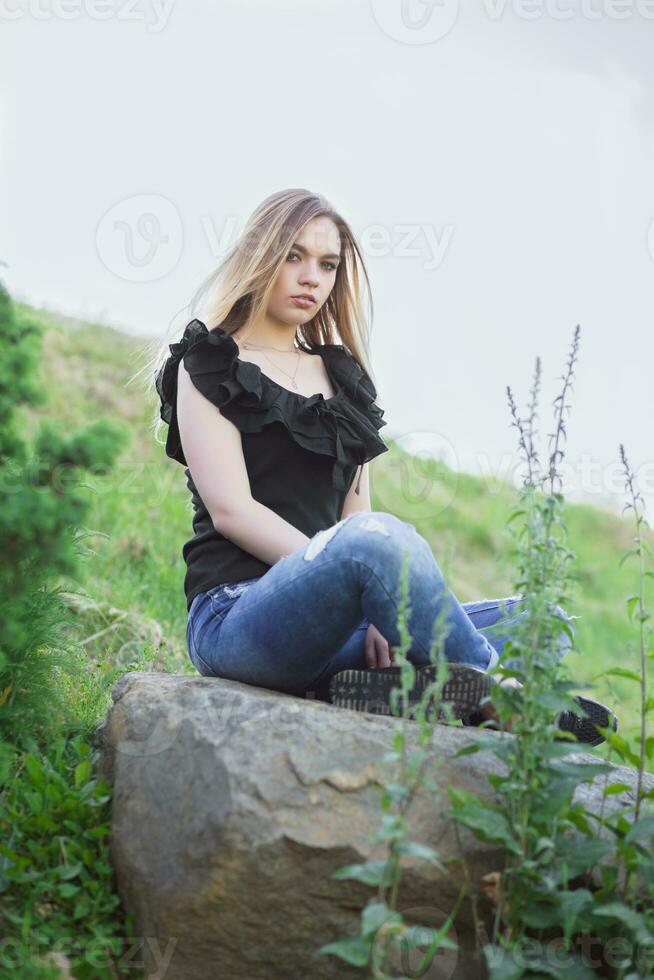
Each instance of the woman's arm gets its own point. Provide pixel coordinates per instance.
(214, 453)
(259, 530)
(358, 501)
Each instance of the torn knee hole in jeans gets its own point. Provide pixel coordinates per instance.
(373, 524)
(322, 538)
(235, 590)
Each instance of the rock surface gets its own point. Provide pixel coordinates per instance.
(233, 806)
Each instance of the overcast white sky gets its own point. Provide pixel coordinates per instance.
(495, 159)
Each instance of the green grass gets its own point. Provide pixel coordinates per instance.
(142, 516)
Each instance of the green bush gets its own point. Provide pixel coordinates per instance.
(59, 907)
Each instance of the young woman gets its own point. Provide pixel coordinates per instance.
(291, 580)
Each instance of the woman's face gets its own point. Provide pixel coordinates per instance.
(310, 269)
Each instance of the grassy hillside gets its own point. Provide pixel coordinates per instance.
(133, 573)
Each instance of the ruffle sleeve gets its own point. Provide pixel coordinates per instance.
(345, 426)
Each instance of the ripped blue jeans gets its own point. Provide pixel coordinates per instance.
(306, 618)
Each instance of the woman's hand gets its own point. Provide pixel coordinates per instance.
(378, 652)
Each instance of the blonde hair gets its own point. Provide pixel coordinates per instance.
(236, 293)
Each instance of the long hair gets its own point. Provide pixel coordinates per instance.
(237, 292)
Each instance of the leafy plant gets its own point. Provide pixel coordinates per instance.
(386, 938)
(59, 908)
(571, 879)
(41, 526)
(563, 862)
(56, 880)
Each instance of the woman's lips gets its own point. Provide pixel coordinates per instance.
(301, 301)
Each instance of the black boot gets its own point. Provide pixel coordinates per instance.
(583, 726)
(369, 689)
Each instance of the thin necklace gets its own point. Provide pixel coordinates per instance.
(292, 379)
(249, 346)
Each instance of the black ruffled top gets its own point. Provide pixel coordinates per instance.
(344, 426)
(301, 453)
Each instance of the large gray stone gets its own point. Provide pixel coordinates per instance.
(233, 805)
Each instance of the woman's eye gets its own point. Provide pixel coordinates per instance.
(330, 265)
